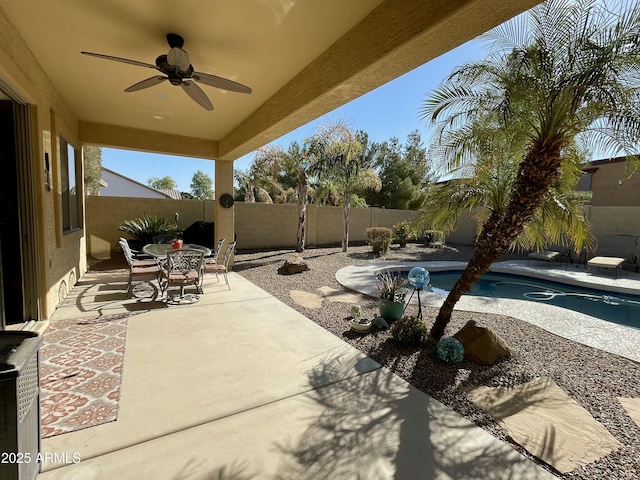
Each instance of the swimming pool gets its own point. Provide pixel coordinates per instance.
(618, 308)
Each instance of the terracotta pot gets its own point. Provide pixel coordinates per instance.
(176, 244)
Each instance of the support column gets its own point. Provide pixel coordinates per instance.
(223, 217)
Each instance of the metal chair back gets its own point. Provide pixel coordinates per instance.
(183, 268)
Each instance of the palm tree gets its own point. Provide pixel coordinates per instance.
(563, 76)
(248, 185)
(295, 165)
(339, 156)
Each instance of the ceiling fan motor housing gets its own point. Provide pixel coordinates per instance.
(176, 75)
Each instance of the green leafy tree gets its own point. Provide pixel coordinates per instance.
(92, 169)
(562, 76)
(339, 154)
(403, 172)
(164, 183)
(201, 186)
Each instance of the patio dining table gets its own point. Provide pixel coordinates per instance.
(161, 249)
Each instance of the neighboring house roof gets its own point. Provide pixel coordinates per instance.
(173, 193)
(118, 185)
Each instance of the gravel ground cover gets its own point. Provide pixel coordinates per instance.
(591, 377)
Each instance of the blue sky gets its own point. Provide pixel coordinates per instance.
(391, 110)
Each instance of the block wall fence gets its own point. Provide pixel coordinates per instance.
(262, 226)
(257, 225)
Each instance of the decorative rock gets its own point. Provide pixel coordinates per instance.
(481, 344)
(450, 350)
(380, 323)
(294, 264)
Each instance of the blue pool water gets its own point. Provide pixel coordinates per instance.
(613, 307)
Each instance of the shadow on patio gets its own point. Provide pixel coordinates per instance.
(240, 386)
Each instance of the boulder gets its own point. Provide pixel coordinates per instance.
(294, 264)
(380, 323)
(481, 344)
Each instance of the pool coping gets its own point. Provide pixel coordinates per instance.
(575, 326)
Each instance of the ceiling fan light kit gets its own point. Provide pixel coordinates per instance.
(177, 68)
(178, 58)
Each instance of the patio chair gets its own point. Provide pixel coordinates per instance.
(544, 256)
(135, 254)
(182, 268)
(223, 267)
(138, 268)
(609, 263)
(614, 252)
(212, 260)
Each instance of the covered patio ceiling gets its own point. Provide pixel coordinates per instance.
(302, 59)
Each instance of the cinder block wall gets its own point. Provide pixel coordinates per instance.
(605, 221)
(262, 226)
(257, 225)
(105, 214)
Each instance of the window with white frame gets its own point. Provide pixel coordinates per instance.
(69, 170)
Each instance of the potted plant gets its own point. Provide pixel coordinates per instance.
(357, 322)
(392, 290)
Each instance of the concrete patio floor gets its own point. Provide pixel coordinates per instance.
(241, 386)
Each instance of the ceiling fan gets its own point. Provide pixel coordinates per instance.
(177, 68)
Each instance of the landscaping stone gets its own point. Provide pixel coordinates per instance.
(379, 323)
(481, 344)
(306, 299)
(292, 265)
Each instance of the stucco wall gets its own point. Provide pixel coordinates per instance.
(119, 186)
(62, 258)
(610, 188)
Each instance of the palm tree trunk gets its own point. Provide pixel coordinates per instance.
(345, 230)
(302, 211)
(535, 176)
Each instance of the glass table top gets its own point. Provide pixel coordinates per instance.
(161, 249)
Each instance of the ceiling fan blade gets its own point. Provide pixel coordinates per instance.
(196, 93)
(220, 82)
(119, 59)
(149, 82)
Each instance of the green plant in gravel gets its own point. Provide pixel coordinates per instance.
(146, 227)
(379, 238)
(391, 286)
(402, 232)
(410, 330)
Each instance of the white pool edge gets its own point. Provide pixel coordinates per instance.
(575, 326)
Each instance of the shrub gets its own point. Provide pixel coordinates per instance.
(146, 227)
(401, 232)
(379, 238)
(410, 331)
(432, 237)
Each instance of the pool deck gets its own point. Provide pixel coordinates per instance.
(575, 326)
